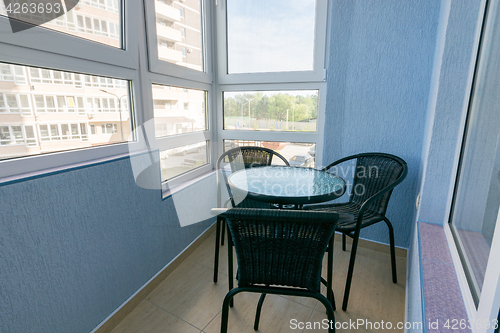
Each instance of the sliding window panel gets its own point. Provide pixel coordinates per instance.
(278, 41)
(181, 160)
(179, 38)
(179, 110)
(46, 111)
(298, 154)
(96, 21)
(476, 198)
(107, 33)
(281, 112)
(289, 111)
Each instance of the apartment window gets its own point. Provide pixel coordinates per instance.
(183, 32)
(12, 73)
(181, 12)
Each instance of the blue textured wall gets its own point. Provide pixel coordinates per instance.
(444, 124)
(379, 76)
(448, 102)
(75, 245)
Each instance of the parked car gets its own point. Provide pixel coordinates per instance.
(228, 144)
(301, 160)
(312, 151)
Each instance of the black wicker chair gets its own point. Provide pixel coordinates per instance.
(376, 175)
(238, 158)
(280, 252)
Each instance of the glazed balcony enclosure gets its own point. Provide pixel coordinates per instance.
(113, 117)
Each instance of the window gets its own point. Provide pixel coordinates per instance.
(265, 36)
(477, 192)
(268, 45)
(177, 161)
(32, 107)
(271, 110)
(183, 54)
(296, 153)
(274, 41)
(93, 28)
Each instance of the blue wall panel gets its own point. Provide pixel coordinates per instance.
(379, 75)
(75, 245)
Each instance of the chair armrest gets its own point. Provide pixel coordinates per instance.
(218, 211)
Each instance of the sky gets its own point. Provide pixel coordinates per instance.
(270, 36)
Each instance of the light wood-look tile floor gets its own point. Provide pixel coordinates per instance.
(188, 300)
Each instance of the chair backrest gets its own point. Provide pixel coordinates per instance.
(375, 174)
(280, 247)
(243, 158)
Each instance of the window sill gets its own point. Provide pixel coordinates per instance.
(168, 192)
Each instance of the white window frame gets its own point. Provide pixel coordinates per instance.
(275, 81)
(43, 39)
(47, 49)
(250, 135)
(318, 74)
(179, 140)
(163, 67)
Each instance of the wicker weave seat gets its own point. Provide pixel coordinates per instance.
(375, 176)
(238, 159)
(280, 252)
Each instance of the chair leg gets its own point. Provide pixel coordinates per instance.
(329, 279)
(225, 308)
(350, 271)
(230, 262)
(223, 229)
(217, 240)
(343, 241)
(257, 314)
(329, 311)
(393, 250)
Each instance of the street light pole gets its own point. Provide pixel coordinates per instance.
(119, 108)
(249, 119)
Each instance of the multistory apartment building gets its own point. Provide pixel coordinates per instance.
(179, 32)
(46, 110)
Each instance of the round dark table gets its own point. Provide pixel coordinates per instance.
(286, 185)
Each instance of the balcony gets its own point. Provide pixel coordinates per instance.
(168, 33)
(169, 55)
(167, 12)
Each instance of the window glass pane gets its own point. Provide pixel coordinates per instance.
(4, 135)
(177, 161)
(171, 18)
(270, 36)
(65, 131)
(477, 195)
(178, 110)
(46, 11)
(271, 110)
(40, 114)
(296, 153)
